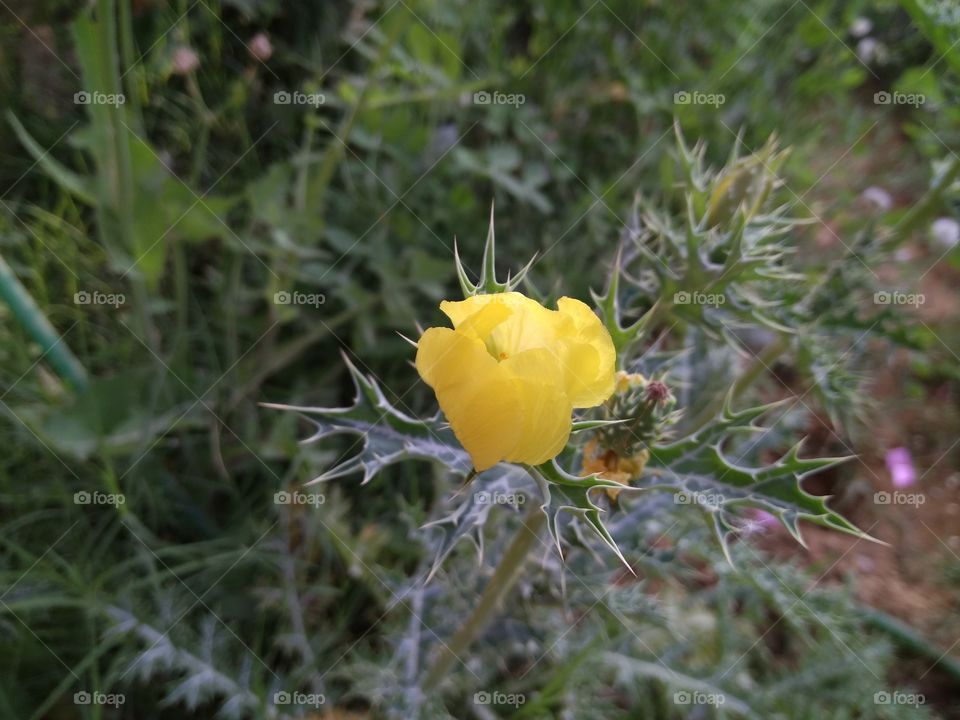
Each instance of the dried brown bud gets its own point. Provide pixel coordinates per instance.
(657, 391)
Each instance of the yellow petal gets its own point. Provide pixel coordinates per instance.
(529, 326)
(482, 322)
(488, 424)
(544, 406)
(508, 323)
(477, 399)
(447, 358)
(586, 354)
(460, 310)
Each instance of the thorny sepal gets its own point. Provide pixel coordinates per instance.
(488, 283)
(611, 313)
(563, 492)
(582, 425)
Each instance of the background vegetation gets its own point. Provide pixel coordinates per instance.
(206, 197)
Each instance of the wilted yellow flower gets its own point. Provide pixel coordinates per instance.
(510, 372)
(610, 466)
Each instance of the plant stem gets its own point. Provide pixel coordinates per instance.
(500, 584)
(761, 363)
(913, 642)
(120, 191)
(32, 319)
(129, 60)
(928, 205)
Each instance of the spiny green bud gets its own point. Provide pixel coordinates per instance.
(745, 184)
(646, 406)
(620, 452)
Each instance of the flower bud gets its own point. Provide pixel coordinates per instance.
(744, 185)
(185, 60)
(646, 406)
(620, 452)
(260, 47)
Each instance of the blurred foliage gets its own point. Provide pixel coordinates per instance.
(201, 198)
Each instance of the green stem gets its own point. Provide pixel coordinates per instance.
(122, 172)
(181, 284)
(500, 584)
(912, 641)
(33, 320)
(760, 365)
(234, 276)
(928, 205)
(303, 172)
(643, 328)
(129, 61)
(119, 164)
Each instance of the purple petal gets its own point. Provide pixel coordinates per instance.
(900, 465)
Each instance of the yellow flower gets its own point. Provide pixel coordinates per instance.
(510, 372)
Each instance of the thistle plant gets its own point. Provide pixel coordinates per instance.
(584, 409)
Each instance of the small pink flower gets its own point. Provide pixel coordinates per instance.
(260, 47)
(185, 60)
(900, 465)
(877, 198)
(760, 521)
